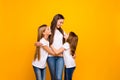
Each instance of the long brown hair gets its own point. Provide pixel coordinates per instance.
(41, 29)
(72, 40)
(53, 27)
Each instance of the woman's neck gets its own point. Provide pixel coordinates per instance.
(56, 28)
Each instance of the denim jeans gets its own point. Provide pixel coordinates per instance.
(56, 66)
(68, 73)
(39, 73)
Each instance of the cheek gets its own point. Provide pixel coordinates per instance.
(48, 31)
(58, 23)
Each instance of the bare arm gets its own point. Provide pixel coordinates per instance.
(38, 44)
(48, 50)
(59, 51)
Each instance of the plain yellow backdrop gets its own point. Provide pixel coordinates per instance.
(97, 23)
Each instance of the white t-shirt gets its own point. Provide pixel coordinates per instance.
(68, 59)
(57, 40)
(43, 55)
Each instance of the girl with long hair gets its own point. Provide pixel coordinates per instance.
(41, 53)
(56, 63)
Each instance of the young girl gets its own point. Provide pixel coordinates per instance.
(68, 50)
(39, 62)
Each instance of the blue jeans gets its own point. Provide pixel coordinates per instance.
(39, 73)
(56, 66)
(68, 73)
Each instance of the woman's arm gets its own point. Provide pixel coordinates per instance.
(48, 50)
(59, 51)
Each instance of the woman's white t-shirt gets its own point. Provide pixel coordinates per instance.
(57, 40)
(68, 59)
(43, 55)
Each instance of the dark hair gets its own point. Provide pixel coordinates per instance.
(72, 40)
(53, 26)
(41, 29)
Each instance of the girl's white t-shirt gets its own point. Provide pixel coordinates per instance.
(68, 59)
(57, 40)
(43, 55)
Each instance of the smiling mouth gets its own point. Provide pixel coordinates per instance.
(59, 26)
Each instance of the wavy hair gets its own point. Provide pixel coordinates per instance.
(72, 40)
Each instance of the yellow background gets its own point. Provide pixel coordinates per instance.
(97, 23)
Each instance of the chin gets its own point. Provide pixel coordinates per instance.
(58, 27)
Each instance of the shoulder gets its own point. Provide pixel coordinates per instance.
(44, 42)
(66, 45)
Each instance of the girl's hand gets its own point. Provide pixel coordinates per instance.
(74, 56)
(51, 46)
(65, 36)
(38, 44)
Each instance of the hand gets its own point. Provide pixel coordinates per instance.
(55, 54)
(74, 56)
(65, 36)
(37, 44)
(51, 46)
(60, 55)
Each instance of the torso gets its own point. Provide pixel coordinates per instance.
(43, 55)
(57, 40)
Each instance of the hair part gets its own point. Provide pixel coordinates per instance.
(72, 40)
(41, 29)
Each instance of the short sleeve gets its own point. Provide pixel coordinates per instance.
(43, 42)
(66, 45)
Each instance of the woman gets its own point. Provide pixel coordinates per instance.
(56, 63)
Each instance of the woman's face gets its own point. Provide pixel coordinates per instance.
(47, 31)
(60, 23)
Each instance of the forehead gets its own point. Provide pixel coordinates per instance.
(47, 27)
(60, 20)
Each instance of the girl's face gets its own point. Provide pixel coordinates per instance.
(60, 23)
(47, 31)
